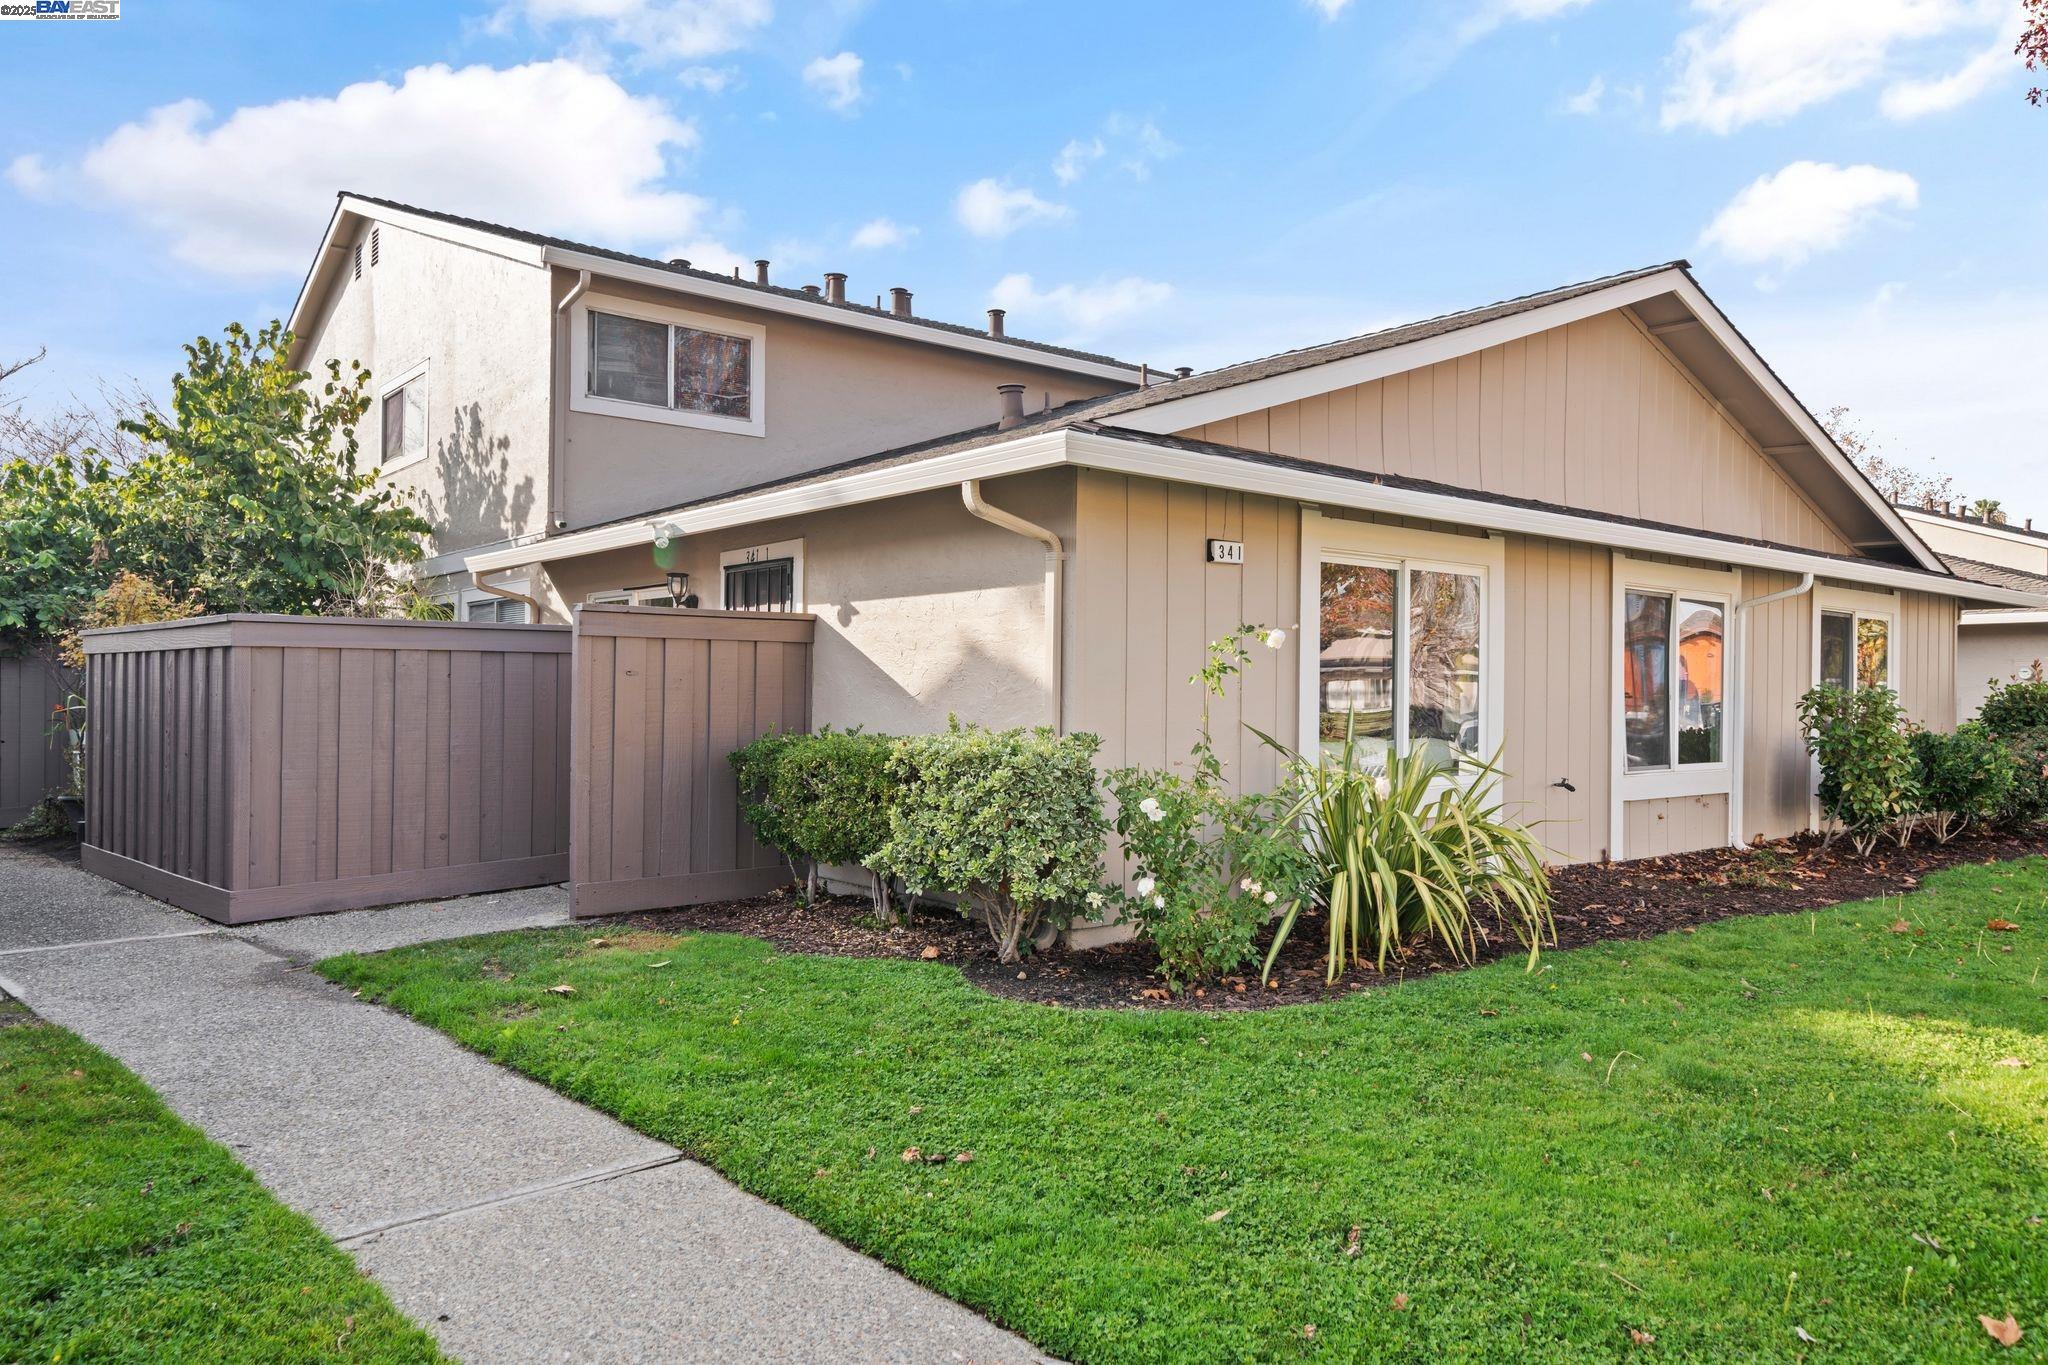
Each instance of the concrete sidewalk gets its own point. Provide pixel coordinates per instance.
(513, 1223)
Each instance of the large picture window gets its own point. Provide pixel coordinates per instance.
(662, 364)
(1401, 659)
(1673, 681)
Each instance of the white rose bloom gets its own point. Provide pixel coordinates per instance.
(1155, 815)
(1275, 638)
(1145, 885)
(1149, 804)
(1245, 884)
(1254, 888)
(1272, 896)
(1159, 902)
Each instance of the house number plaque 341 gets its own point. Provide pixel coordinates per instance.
(1226, 552)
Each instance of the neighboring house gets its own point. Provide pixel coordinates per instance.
(1997, 644)
(1588, 529)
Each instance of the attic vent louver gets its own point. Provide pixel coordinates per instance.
(356, 271)
(376, 247)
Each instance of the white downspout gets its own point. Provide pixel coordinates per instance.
(556, 422)
(1055, 574)
(1740, 694)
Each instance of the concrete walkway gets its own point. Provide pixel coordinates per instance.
(513, 1223)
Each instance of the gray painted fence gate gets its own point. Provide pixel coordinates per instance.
(258, 767)
(661, 698)
(34, 762)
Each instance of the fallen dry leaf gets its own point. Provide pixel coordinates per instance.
(2005, 1331)
(1351, 1243)
(1900, 926)
(1400, 1302)
(563, 988)
(1219, 1216)
(963, 1157)
(1640, 1337)
(931, 951)
(2001, 926)
(1152, 993)
(1308, 1329)
(1800, 1332)
(912, 1154)
(663, 963)
(2012, 1061)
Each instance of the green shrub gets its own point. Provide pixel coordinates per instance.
(1411, 848)
(1007, 820)
(820, 800)
(2016, 705)
(1210, 867)
(2027, 801)
(1962, 778)
(1867, 781)
(753, 769)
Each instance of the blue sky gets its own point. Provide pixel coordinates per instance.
(1858, 182)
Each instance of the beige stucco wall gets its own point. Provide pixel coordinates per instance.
(923, 610)
(1994, 653)
(479, 321)
(1991, 544)
(1594, 415)
(833, 394)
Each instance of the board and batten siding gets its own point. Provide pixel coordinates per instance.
(1594, 415)
(1674, 824)
(258, 767)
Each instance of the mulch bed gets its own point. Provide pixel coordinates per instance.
(1594, 903)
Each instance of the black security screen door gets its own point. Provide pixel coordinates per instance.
(769, 585)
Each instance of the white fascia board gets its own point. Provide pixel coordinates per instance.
(334, 222)
(1149, 461)
(741, 296)
(1046, 450)
(1183, 414)
(2005, 618)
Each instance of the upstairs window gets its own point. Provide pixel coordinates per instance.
(665, 365)
(403, 421)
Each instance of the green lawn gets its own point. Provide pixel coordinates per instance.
(1720, 1139)
(126, 1235)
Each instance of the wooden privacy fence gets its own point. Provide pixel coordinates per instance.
(34, 762)
(257, 767)
(662, 696)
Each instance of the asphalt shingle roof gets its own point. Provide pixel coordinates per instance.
(1997, 575)
(712, 276)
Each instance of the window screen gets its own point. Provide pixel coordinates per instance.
(498, 609)
(1646, 680)
(769, 585)
(405, 423)
(629, 359)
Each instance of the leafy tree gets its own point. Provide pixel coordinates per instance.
(1899, 482)
(2033, 45)
(246, 496)
(1988, 509)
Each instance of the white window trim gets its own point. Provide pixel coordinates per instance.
(416, 373)
(1345, 541)
(523, 587)
(1862, 604)
(1721, 586)
(791, 550)
(582, 400)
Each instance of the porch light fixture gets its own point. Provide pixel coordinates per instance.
(679, 589)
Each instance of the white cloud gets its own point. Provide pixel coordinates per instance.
(878, 233)
(835, 80)
(712, 80)
(1083, 308)
(552, 146)
(1493, 14)
(1751, 61)
(1587, 101)
(991, 208)
(678, 30)
(1075, 158)
(1808, 207)
(1329, 9)
(29, 174)
(708, 253)
(1916, 98)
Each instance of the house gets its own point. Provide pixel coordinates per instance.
(1588, 529)
(1996, 644)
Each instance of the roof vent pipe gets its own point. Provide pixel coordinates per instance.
(679, 263)
(1183, 371)
(995, 322)
(899, 301)
(760, 272)
(1012, 412)
(811, 289)
(835, 286)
